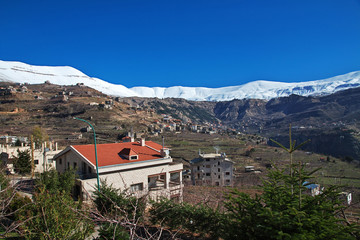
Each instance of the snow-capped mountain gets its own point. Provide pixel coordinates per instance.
(25, 73)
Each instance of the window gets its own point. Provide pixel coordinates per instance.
(219, 163)
(89, 169)
(36, 162)
(217, 184)
(75, 165)
(219, 177)
(68, 165)
(207, 174)
(208, 160)
(135, 157)
(50, 160)
(208, 166)
(84, 167)
(198, 168)
(175, 178)
(219, 169)
(137, 187)
(227, 173)
(60, 161)
(157, 182)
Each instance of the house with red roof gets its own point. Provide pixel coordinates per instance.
(143, 168)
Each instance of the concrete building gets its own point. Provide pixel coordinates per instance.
(43, 157)
(144, 168)
(212, 169)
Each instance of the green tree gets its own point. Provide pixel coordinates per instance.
(121, 212)
(55, 216)
(17, 143)
(40, 135)
(22, 163)
(55, 182)
(112, 201)
(197, 219)
(276, 213)
(112, 231)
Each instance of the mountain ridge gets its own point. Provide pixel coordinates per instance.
(261, 89)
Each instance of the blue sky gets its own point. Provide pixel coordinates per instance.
(189, 43)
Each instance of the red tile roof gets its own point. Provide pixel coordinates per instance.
(108, 154)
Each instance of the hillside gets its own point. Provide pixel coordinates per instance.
(53, 107)
(329, 121)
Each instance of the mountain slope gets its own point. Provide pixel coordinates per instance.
(24, 73)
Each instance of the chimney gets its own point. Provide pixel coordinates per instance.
(56, 146)
(142, 141)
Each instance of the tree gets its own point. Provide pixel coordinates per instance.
(118, 212)
(55, 216)
(40, 136)
(277, 214)
(22, 163)
(55, 182)
(197, 219)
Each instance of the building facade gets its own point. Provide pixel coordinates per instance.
(212, 169)
(42, 157)
(144, 168)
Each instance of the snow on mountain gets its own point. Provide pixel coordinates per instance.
(25, 73)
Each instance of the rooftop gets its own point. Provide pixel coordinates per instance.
(109, 154)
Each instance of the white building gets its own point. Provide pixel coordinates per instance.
(212, 169)
(43, 157)
(140, 167)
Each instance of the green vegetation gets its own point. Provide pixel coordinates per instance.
(55, 216)
(118, 210)
(22, 163)
(54, 182)
(280, 212)
(196, 219)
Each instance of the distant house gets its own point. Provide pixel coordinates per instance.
(312, 188)
(212, 169)
(144, 168)
(43, 157)
(75, 136)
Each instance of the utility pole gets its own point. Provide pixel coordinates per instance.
(32, 156)
(96, 159)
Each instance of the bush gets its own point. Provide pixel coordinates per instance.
(197, 219)
(55, 216)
